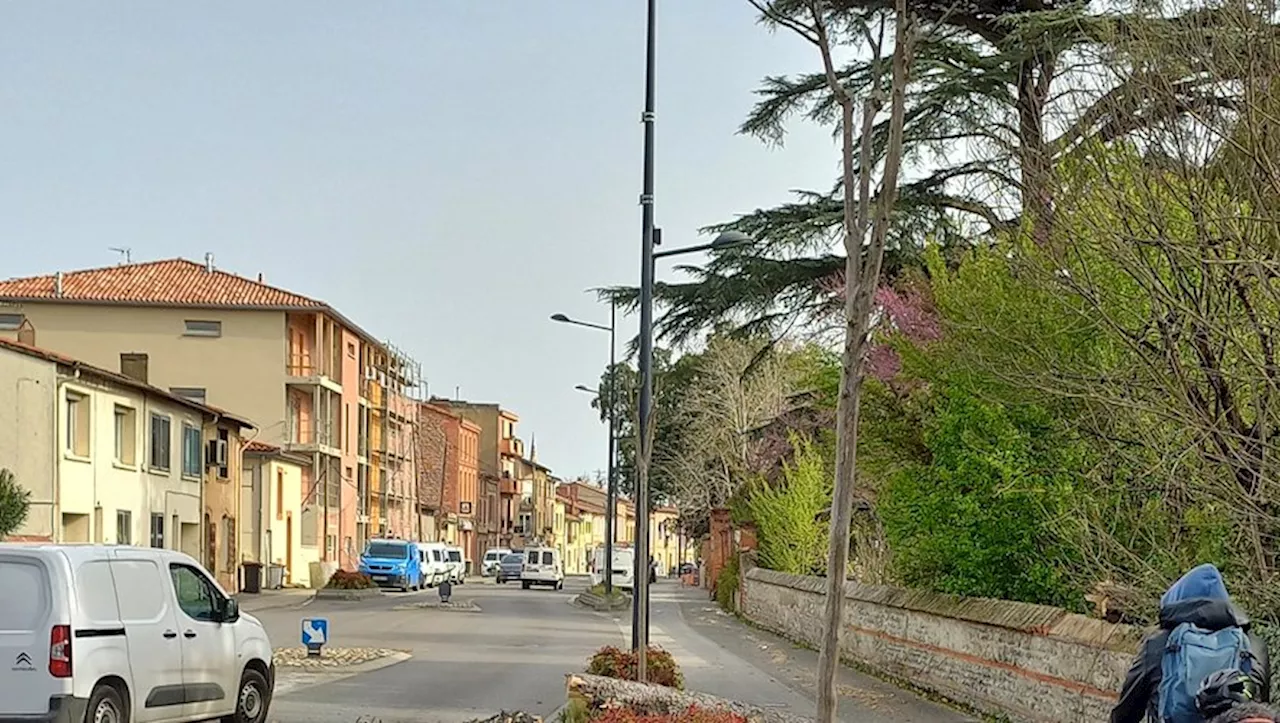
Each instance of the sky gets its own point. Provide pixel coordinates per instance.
(446, 173)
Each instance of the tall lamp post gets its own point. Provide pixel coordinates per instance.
(640, 621)
(611, 485)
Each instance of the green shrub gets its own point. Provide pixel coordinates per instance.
(348, 580)
(612, 662)
(792, 538)
(727, 584)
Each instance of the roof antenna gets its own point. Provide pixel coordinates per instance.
(126, 254)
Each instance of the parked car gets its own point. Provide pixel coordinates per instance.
(392, 563)
(542, 566)
(624, 561)
(100, 633)
(510, 568)
(492, 561)
(457, 565)
(435, 562)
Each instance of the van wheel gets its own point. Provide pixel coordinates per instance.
(560, 585)
(526, 584)
(106, 706)
(252, 699)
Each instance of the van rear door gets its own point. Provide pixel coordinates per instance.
(26, 624)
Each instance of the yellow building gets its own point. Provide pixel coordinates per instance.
(271, 500)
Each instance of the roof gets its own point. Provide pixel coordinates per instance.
(120, 379)
(166, 283)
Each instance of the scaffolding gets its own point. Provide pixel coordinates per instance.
(390, 389)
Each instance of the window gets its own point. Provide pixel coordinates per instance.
(533, 557)
(160, 441)
(279, 494)
(191, 394)
(77, 424)
(124, 527)
(351, 350)
(190, 451)
(196, 327)
(10, 322)
(126, 421)
(548, 557)
(224, 471)
(157, 530)
(195, 594)
(136, 582)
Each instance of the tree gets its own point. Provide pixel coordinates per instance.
(14, 503)
(865, 230)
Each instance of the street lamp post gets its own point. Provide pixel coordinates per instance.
(611, 485)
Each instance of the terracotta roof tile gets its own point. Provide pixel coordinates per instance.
(256, 446)
(177, 282)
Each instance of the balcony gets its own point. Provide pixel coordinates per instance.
(308, 437)
(512, 447)
(300, 371)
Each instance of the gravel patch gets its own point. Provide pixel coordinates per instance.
(459, 606)
(332, 657)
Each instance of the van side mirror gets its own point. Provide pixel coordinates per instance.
(230, 611)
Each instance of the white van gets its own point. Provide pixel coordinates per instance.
(624, 567)
(457, 565)
(105, 633)
(542, 566)
(435, 562)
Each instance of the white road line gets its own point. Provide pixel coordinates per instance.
(660, 638)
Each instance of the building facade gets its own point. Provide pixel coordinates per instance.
(311, 381)
(109, 459)
(496, 446)
(271, 512)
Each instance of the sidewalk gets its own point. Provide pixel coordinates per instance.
(722, 656)
(273, 599)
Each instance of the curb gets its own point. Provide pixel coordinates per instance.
(288, 601)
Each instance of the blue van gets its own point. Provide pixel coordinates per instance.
(392, 563)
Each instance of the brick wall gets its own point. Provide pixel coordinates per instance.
(1027, 662)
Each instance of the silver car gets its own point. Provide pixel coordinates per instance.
(510, 568)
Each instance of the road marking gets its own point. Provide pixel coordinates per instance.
(660, 638)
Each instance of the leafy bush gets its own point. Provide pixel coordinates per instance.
(692, 714)
(727, 584)
(792, 538)
(348, 580)
(612, 662)
(14, 503)
(599, 590)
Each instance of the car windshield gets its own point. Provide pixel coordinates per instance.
(455, 556)
(490, 556)
(386, 549)
(512, 559)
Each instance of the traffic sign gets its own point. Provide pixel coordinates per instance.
(315, 634)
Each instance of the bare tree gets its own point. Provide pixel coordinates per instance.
(865, 226)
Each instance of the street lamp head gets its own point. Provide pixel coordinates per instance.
(730, 238)
(560, 318)
(585, 388)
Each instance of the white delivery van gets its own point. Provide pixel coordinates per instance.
(542, 566)
(493, 560)
(457, 564)
(624, 567)
(112, 634)
(435, 563)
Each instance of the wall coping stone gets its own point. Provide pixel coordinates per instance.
(1027, 618)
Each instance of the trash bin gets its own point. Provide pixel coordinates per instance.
(252, 577)
(275, 576)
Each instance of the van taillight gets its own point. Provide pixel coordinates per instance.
(60, 651)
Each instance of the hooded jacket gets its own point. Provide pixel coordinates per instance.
(1200, 598)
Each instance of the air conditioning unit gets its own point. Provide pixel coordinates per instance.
(216, 455)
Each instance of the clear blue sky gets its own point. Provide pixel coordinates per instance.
(475, 164)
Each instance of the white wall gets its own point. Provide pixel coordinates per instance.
(27, 435)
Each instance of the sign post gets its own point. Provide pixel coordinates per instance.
(315, 633)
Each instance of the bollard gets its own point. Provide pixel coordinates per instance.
(446, 589)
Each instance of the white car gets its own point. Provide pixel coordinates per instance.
(624, 560)
(115, 634)
(492, 562)
(542, 566)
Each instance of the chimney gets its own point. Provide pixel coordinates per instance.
(208, 262)
(57, 284)
(134, 366)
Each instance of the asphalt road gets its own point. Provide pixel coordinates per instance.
(514, 654)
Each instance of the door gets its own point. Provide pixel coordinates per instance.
(26, 611)
(151, 627)
(288, 547)
(211, 673)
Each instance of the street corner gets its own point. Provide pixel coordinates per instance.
(457, 606)
(346, 660)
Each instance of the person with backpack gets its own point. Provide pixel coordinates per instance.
(1201, 632)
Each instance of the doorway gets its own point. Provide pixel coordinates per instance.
(288, 548)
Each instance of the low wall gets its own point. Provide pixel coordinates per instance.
(1027, 662)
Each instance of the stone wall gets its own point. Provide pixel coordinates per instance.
(1026, 662)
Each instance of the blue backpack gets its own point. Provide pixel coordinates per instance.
(1190, 656)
